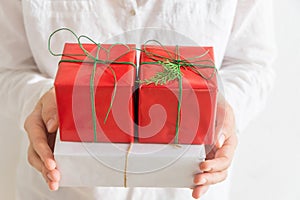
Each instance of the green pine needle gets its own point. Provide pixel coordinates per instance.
(171, 72)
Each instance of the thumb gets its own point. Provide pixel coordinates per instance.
(220, 121)
(49, 111)
(225, 125)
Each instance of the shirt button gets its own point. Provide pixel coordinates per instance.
(132, 12)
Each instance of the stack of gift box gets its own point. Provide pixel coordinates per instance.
(132, 124)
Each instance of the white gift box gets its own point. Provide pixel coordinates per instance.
(115, 165)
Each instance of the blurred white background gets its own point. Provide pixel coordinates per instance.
(267, 161)
(268, 157)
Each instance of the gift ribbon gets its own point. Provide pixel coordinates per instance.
(95, 60)
(172, 65)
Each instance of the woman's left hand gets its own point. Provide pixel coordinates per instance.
(218, 160)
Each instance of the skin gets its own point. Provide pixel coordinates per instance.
(41, 126)
(219, 159)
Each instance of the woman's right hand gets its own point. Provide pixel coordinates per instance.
(41, 126)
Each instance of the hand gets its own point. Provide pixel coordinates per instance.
(41, 126)
(219, 158)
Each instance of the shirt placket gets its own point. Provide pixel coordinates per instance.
(132, 10)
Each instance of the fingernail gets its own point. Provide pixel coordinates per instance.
(221, 140)
(207, 170)
(50, 124)
(50, 164)
(202, 181)
(54, 186)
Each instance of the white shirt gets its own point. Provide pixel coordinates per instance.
(240, 32)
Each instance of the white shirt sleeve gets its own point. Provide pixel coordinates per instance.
(21, 83)
(246, 72)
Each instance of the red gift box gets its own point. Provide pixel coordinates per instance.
(158, 103)
(112, 81)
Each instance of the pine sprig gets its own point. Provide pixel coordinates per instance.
(171, 72)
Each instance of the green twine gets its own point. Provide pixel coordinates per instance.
(171, 65)
(93, 60)
(92, 93)
(179, 98)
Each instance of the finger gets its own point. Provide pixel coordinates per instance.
(225, 121)
(34, 160)
(199, 191)
(228, 148)
(44, 173)
(210, 178)
(221, 113)
(223, 157)
(53, 175)
(49, 111)
(52, 184)
(37, 136)
(215, 165)
(220, 141)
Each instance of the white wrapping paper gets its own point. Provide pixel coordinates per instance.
(148, 165)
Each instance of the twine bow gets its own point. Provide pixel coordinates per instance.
(172, 64)
(93, 60)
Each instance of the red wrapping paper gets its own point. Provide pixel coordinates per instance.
(72, 87)
(157, 111)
